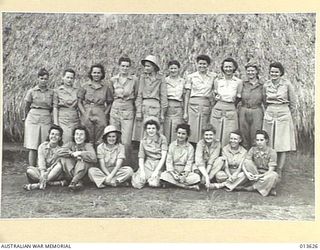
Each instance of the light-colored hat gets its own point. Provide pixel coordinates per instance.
(111, 128)
(152, 59)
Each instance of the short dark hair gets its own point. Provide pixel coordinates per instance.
(70, 71)
(264, 133)
(81, 128)
(104, 137)
(209, 127)
(174, 62)
(124, 59)
(56, 127)
(100, 66)
(205, 58)
(278, 66)
(236, 132)
(229, 59)
(184, 126)
(43, 72)
(151, 122)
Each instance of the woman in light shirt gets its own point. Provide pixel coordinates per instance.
(227, 90)
(175, 89)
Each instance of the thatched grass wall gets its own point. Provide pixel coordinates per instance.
(58, 41)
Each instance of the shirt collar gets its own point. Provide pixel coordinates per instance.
(179, 145)
(37, 88)
(130, 77)
(156, 138)
(238, 151)
(95, 85)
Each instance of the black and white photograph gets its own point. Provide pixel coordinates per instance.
(184, 116)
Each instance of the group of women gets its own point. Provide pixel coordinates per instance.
(218, 113)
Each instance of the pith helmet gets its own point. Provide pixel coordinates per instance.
(153, 60)
(111, 128)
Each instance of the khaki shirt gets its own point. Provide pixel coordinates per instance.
(152, 147)
(47, 156)
(110, 155)
(40, 99)
(88, 153)
(201, 86)
(251, 95)
(180, 155)
(228, 90)
(175, 88)
(93, 93)
(282, 93)
(263, 159)
(207, 155)
(65, 97)
(154, 89)
(234, 158)
(126, 91)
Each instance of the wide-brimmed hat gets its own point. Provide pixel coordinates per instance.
(152, 59)
(111, 128)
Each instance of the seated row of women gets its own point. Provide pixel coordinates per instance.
(69, 164)
(200, 99)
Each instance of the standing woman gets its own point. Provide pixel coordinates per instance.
(152, 95)
(38, 107)
(175, 88)
(123, 91)
(65, 105)
(199, 97)
(280, 100)
(251, 111)
(92, 99)
(227, 91)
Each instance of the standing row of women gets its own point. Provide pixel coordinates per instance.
(225, 101)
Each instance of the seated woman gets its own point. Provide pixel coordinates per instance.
(111, 154)
(180, 160)
(260, 164)
(207, 152)
(49, 170)
(233, 154)
(152, 155)
(79, 156)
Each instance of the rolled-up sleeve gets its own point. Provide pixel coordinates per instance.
(190, 159)
(89, 155)
(169, 160)
(215, 154)
(42, 157)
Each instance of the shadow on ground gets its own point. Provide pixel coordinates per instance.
(295, 199)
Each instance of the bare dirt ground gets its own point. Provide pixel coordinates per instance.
(295, 199)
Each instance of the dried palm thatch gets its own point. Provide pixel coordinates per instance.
(59, 41)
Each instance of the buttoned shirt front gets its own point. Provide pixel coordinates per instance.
(180, 155)
(65, 97)
(47, 155)
(263, 159)
(93, 93)
(228, 89)
(251, 95)
(40, 98)
(281, 93)
(152, 88)
(110, 155)
(175, 88)
(201, 85)
(234, 157)
(206, 155)
(88, 153)
(124, 91)
(152, 147)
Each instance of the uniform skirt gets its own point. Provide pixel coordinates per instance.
(278, 123)
(199, 114)
(68, 120)
(36, 128)
(173, 118)
(224, 118)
